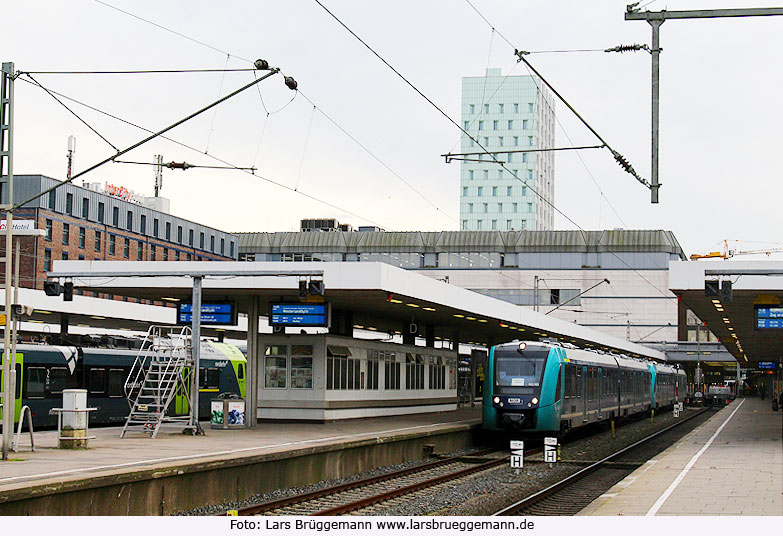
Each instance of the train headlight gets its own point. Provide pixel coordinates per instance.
(522, 346)
(535, 400)
(496, 400)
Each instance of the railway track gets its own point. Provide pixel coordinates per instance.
(570, 495)
(352, 496)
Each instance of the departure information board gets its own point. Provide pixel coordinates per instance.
(769, 317)
(299, 314)
(220, 314)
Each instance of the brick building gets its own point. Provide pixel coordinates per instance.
(87, 223)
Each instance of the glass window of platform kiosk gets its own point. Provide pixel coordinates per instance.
(282, 361)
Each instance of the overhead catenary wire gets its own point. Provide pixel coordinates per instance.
(273, 71)
(516, 52)
(148, 71)
(101, 136)
(447, 116)
(298, 92)
(212, 156)
(214, 114)
(304, 150)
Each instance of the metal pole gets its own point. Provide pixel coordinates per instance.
(7, 122)
(254, 364)
(656, 98)
(196, 340)
(15, 327)
(535, 293)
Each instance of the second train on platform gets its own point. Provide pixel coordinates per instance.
(537, 387)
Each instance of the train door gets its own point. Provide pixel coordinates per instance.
(181, 402)
(584, 394)
(599, 388)
(18, 388)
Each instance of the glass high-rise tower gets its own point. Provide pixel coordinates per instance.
(507, 113)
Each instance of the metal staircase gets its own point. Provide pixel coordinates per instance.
(162, 370)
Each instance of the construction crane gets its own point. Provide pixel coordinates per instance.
(729, 253)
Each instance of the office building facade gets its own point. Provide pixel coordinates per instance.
(92, 222)
(506, 115)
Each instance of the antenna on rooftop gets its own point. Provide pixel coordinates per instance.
(158, 174)
(71, 151)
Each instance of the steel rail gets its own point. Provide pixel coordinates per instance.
(375, 499)
(317, 494)
(569, 480)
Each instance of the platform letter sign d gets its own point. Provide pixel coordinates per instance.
(517, 454)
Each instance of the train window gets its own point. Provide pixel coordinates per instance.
(18, 389)
(59, 379)
(592, 384)
(241, 371)
(116, 387)
(35, 382)
(213, 378)
(97, 381)
(557, 387)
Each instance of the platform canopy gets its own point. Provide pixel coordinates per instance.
(733, 318)
(380, 298)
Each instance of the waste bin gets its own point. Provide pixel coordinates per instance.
(227, 413)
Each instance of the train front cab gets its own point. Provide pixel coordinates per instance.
(522, 388)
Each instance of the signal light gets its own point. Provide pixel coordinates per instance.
(315, 288)
(711, 288)
(51, 288)
(68, 291)
(726, 293)
(302, 289)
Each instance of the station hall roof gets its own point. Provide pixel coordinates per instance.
(464, 241)
(381, 297)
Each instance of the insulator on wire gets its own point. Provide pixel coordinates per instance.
(628, 48)
(628, 167)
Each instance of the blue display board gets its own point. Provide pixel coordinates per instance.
(767, 365)
(769, 317)
(220, 313)
(299, 314)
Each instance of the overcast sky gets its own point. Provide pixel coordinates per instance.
(721, 111)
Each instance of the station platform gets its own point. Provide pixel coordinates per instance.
(197, 469)
(732, 465)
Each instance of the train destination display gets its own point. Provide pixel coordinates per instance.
(220, 313)
(769, 317)
(299, 314)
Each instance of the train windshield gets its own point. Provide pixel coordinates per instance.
(517, 372)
